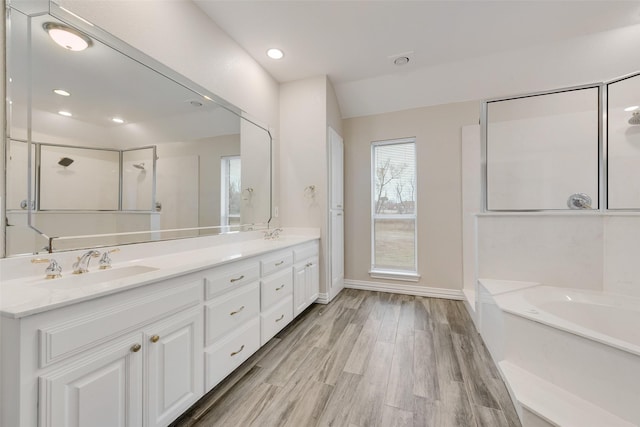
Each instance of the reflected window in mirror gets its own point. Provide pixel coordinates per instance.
(542, 151)
(623, 143)
(230, 191)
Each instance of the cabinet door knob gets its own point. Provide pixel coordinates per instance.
(281, 286)
(155, 338)
(136, 348)
(237, 278)
(236, 352)
(280, 318)
(237, 311)
(279, 263)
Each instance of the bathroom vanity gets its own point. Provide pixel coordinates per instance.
(140, 349)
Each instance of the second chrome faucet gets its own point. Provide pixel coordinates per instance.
(81, 266)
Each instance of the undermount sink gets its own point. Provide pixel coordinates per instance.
(95, 277)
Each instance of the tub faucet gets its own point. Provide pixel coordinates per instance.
(81, 266)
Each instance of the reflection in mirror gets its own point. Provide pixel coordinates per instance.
(542, 151)
(623, 143)
(103, 144)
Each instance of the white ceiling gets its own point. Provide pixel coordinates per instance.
(351, 41)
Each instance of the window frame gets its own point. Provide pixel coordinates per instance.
(391, 273)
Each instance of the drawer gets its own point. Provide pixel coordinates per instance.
(275, 262)
(305, 251)
(82, 333)
(276, 287)
(226, 355)
(230, 310)
(230, 276)
(276, 319)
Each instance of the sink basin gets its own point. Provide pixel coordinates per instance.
(95, 277)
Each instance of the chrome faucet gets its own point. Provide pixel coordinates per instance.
(53, 271)
(272, 234)
(81, 266)
(105, 260)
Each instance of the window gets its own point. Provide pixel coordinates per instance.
(230, 191)
(393, 208)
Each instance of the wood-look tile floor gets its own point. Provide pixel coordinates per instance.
(366, 359)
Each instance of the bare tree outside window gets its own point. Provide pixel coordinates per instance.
(394, 205)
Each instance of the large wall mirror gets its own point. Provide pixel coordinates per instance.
(542, 151)
(107, 146)
(623, 143)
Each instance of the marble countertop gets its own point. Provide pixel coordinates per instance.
(25, 296)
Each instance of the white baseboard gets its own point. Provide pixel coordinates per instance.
(407, 289)
(323, 298)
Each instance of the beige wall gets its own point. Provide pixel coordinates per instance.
(438, 146)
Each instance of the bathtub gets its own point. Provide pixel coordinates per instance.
(583, 346)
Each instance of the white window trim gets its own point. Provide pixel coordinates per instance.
(406, 275)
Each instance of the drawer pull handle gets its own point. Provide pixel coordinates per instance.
(237, 311)
(155, 338)
(282, 286)
(309, 264)
(279, 263)
(280, 318)
(237, 278)
(236, 352)
(136, 348)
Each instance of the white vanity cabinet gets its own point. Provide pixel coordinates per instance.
(306, 277)
(142, 356)
(129, 359)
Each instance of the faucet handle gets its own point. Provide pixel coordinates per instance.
(53, 270)
(105, 260)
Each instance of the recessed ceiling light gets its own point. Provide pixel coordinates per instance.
(117, 120)
(632, 108)
(65, 113)
(274, 53)
(61, 92)
(67, 37)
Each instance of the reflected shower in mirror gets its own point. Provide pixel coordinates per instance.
(105, 140)
(623, 143)
(542, 150)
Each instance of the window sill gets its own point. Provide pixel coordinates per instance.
(395, 275)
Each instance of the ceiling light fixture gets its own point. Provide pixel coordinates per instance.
(65, 113)
(632, 108)
(61, 92)
(67, 37)
(275, 53)
(117, 120)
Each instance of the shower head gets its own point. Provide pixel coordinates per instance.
(65, 161)
(139, 166)
(635, 118)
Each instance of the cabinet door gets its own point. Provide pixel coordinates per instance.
(174, 366)
(312, 281)
(336, 150)
(299, 289)
(103, 389)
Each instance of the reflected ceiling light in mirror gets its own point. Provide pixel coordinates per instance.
(67, 37)
(117, 120)
(275, 53)
(632, 108)
(65, 113)
(61, 92)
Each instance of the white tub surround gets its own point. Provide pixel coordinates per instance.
(570, 357)
(139, 343)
